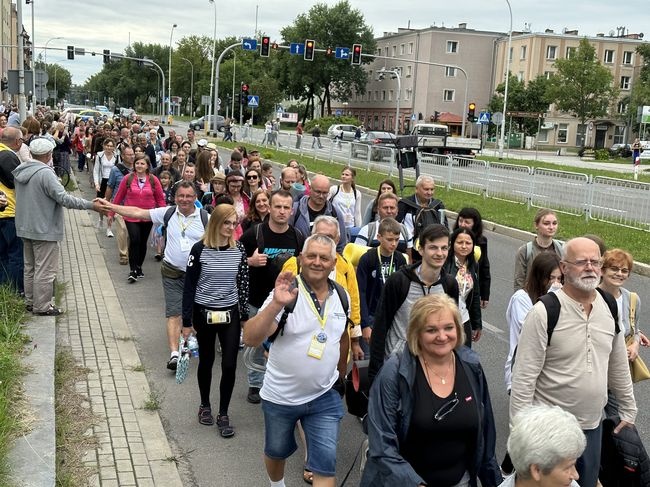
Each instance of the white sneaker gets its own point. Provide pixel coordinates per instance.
(109, 233)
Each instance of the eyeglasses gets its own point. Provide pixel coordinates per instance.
(596, 264)
(229, 223)
(253, 177)
(319, 193)
(446, 408)
(623, 270)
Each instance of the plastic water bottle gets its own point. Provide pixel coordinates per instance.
(193, 345)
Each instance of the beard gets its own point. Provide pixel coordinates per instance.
(586, 282)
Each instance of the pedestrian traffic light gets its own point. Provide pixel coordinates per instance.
(71, 52)
(244, 90)
(4, 84)
(238, 98)
(107, 56)
(266, 41)
(471, 110)
(274, 45)
(329, 52)
(309, 50)
(356, 54)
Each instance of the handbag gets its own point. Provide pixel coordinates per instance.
(638, 368)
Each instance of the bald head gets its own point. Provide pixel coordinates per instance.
(580, 245)
(12, 138)
(321, 181)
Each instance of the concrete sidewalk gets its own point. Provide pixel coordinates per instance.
(133, 449)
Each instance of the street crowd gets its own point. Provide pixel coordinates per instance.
(311, 282)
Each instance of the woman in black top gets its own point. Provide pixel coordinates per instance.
(470, 218)
(215, 302)
(430, 418)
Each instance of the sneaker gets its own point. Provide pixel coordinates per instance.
(205, 416)
(254, 395)
(226, 430)
(139, 273)
(109, 233)
(172, 363)
(133, 276)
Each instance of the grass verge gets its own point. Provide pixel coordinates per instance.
(12, 341)
(74, 420)
(505, 213)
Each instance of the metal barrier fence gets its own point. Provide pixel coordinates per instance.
(617, 201)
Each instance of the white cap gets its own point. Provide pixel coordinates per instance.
(41, 146)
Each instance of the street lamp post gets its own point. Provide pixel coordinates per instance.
(33, 57)
(191, 85)
(505, 94)
(214, 54)
(48, 41)
(158, 100)
(169, 73)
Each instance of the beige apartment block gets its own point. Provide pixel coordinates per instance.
(425, 88)
(534, 54)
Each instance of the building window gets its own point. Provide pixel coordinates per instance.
(562, 133)
(627, 57)
(609, 56)
(621, 107)
(376, 95)
(401, 49)
(625, 82)
(394, 51)
(410, 51)
(448, 95)
(548, 74)
(390, 95)
(542, 136)
(408, 71)
(520, 76)
(450, 72)
(452, 47)
(408, 92)
(369, 95)
(386, 51)
(510, 54)
(551, 52)
(383, 95)
(619, 132)
(379, 51)
(570, 52)
(581, 137)
(522, 53)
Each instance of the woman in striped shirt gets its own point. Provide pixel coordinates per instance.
(215, 302)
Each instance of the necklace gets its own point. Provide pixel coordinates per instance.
(443, 378)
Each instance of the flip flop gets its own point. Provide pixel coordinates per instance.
(307, 476)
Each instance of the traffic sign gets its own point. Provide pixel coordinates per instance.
(338, 113)
(297, 48)
(497, 117)
(342, 53)
(413, 118)
(205, 99)
(249, 44)
(484, 118)
(253, 101)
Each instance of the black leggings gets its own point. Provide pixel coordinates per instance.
(206, 335)
(467, 326)
(138, 236)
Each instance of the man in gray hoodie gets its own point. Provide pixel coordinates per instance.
(40, 199)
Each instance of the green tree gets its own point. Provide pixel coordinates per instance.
(58, 77)
(581, 85)
(522, 97)
(324, 78)
(640, 95)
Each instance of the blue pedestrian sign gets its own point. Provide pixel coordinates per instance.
(342, 53)
(253, 101)
(249, 44)
(484, 118)
(297, 48)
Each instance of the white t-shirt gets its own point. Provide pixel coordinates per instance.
(177, 249)
(348, 205)
(293, 377)
(518, 308)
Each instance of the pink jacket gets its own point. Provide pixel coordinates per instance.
(145, 198)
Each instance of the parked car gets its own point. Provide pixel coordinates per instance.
(199, 124)
(379, 144)
(103, 109)
(620, 150)
(338, 130)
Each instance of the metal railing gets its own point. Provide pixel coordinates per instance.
(617, 201)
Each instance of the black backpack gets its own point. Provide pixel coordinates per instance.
(345, 303)
(424, 216)
(170, 212)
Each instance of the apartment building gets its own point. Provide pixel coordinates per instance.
(534, 54)
(441, 71)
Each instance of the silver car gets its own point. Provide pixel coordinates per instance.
(342, 131)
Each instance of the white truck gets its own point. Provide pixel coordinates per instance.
(434, 138)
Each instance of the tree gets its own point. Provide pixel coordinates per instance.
(325, 78)
(581, 85)
(58, 77)
(640, 95)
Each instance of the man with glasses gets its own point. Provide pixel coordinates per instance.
(403, 288)
(586, 356)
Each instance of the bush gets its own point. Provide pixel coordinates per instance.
(326, 122)
(602, 155)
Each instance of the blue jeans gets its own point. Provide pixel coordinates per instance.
(588, 464)
(11, 254)
(320, 419)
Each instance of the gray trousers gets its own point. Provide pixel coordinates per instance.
(255, 377)
(122, 238)
(41, 265)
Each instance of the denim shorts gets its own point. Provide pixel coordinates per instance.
(320, 419)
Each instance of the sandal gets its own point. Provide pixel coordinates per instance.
(51, 311)
(205, 416)
(226, 430)
(307, 476)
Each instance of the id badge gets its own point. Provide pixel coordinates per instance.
(218, 317)
(316, 348)
(186, 245)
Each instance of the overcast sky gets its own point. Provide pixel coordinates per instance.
(97, 25)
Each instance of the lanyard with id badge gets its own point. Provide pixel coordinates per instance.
(318, 340)
(185, 243)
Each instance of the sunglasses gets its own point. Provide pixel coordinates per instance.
(251, 177)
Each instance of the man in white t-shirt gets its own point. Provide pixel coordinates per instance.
(386, 208)
(184, 229)
(306, 364)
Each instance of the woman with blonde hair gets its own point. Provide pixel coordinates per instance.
(215, 302)
(430, 418)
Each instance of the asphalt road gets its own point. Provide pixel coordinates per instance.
(205, 459)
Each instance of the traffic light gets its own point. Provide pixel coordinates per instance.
(4, 84)
(356, 54)
(471, 110)
(329, 52)
(310, 45)
(266, 41)
(275, 45)
(71, 52)
(238, 98)
(107, 56)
